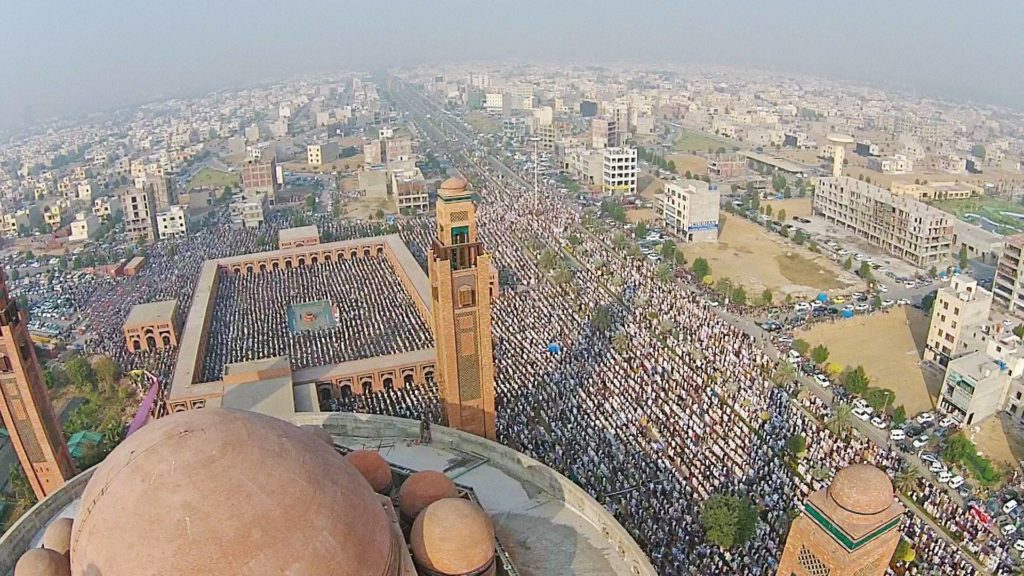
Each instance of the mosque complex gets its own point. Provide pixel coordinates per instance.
(240, 471)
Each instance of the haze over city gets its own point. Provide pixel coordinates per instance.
(71, 57)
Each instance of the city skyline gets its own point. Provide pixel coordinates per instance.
(185, 50)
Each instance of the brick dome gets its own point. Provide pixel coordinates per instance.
(453, 537)
(165, 495)
(57, 536)
(373, 467)
(42, 562)
(423, 489)
(861, 489)
(455, 186)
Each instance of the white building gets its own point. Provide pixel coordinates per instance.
(247, 209)
(690, 210)
(619, 173)
(896, 164)
(172, 223)
(84, 227)
(494, 101)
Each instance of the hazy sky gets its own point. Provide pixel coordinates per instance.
(70, 56)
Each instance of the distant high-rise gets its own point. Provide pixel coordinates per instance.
(461, 306)
(26, 408)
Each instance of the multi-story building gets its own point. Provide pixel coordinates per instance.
(139, 209)
(106, 206)
(957, 309)
(724, 167)
(896, 164)
(172, 223)
(619, 172)
(1008, 286)
(261, 177)
(56, 214)
(320, 154)
(975, 384)
(603, 132)
(908, 229)
(935, 190)
(689, 210)
(247, 209)
(84, 227)
(410, 190)
(12, 224)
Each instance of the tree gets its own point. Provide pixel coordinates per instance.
(906, 479)
(766, 296)
(548, 260)
(879, 398)
(13, 275)
(963, 257)
(899, 415)
(848, 263)
(781, 216)
(801, 346)
(620, 341)
(904, 552)
(728, 521)
(928, 301)
(561, 275)
(865, 271)
(855, 380)
(379, 214)
(107, 371)
(819, 354)
(784, 373)
(602, 318)
(55, 377)
(933, 272)
(664, 273)
(701, 268)
(79, 372)
(768, 210)
(1018, 331)
(796, 444)
(739, 295)
(724, 287)
(640, 230)
(799, 236)
(668, 250)
(839, 423)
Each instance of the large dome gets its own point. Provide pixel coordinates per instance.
(42, 562)
(423, 489)
(164, 498)
(58, 536)
(453, 536)
(454, 186)
(372, 466)
(862, 489)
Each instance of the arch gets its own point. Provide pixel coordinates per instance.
(380, 250)
(352, 254)
(136, 345)
(236, 269)
(179, 408)
(148, 330)
(313, 260)
(288, 263)
(249, 269)
(408, 379)
(327, 257)
(323, 393)
(428, 374)
(275, 265)
(366, 252)
(346, 391)
(165, 339)
(263, 266)
(150, 342)
(388, 382)
(367, 386)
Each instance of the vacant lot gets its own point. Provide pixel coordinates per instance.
(483, 123)
(641, 214)
(793, 207)
(1000, 439)
(750, 255)
(690, 142)
(889, 346)
(208, 177)
(695, 165)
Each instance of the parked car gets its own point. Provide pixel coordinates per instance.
(929, 457)
(956, 482)
(947, 421)
(1019, 546)
(937, 468)
(944, 476)
(925, 418)
(1009, 529)
(896, 435)
(879, 422)
(822, 380)
(921, 441)
(861, 413)
(1010, 506)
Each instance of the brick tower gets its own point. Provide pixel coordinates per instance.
(26, 409)
(461, 307)
(850, 528)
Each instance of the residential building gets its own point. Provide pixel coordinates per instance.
(908, 229)
(935, 190)
(247, 209)
(1008, 285)
(260, 177)
(974, 387)
(410, 190)
(689, 210)
(619, 173)
(320, 154)
(897, 164)
(84, 227)
(494, 101)
(56, 214)
(586, 166)
(172, 223)
(373, 182)
(13, 224)
(727, 166)
(958, 307)
(603, 132)
(106, 206)
(139, 209)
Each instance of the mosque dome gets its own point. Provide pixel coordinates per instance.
(164, 497)
(862, 489)
(423, 489)
(453, 536)
(454, 186)
(42, 562)
(57, 536)
(373, 467)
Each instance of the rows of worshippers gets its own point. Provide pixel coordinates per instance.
(376, 316)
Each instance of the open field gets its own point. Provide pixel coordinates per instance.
(690, 142)
(641, 214)
(695, 165)
(889, 345)
(792, 206)
(483, 123)
(757, 259)
(208, 177)
(1000, 439)
(994, 209)
(367, 208)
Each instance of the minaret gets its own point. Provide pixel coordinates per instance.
(850, 528)
(26, 409)
(460, 293)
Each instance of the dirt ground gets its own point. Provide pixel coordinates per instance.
(641, 214)
(755, 258)
(651, 189)
(793, 207)
(890, 346)
(366, 208)
(696, 165)
(1000, 439)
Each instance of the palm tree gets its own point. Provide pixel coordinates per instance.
(664, 273)
(784, 373)
(839, 423)
(602, 318)
(906, 480)
(561, 275)
(547, 261)
(620, 341)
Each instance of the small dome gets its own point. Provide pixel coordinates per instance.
(42, 562)
(373, 467)
(453, 536)
(175, 485)
(320, 433)
(455, 186)
(862, 489)
(423, 489)
(58, 536)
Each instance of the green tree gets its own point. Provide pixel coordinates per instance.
(602, 318)
(668, 250)
(13, 275)
(963, 257)
(728, 521)
(547, 260)
(799, 237)
(561, 275)
(801, 346)
(865, 271)
(107, 371)
(899, 415)
(933, 272)
(839, 422)
(879, 398)
(55, 377)
(855, 380)
(906, 479)
(79, 372)
(701, 268)
(927, 302)
(768, 210)
(796, 444)
(620, 341)
(1018, 331)
(739, 295)
(848, 263)
(766, 296)
(640, 230)
(379, 214)
(819, 354)
(724, 287)
(664, 273)
(781, 216)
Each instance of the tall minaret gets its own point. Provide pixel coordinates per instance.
(26, 409)
(460, 293)
(850, 528)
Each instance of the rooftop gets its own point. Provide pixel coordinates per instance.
(297, 233)
(151, 313)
